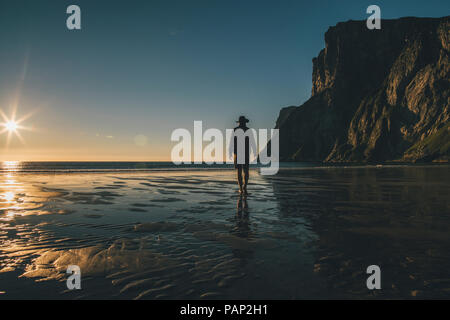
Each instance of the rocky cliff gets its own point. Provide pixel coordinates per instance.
(377, 95)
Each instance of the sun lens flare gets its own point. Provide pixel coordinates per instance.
(12, 126)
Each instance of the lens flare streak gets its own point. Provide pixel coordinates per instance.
(12, 126)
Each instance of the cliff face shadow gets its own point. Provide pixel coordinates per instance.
(397, 218)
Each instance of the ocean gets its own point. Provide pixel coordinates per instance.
(118, 166)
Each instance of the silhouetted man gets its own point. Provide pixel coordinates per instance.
(242, 166)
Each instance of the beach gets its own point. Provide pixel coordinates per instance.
(307, 232)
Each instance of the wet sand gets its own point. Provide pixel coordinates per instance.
(306, 233)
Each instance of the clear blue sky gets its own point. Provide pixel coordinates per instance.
(148, 67)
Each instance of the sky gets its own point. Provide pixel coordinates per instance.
(116, 89)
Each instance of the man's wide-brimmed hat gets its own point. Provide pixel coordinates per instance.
(242, 119)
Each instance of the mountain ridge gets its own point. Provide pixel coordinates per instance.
(377, 95)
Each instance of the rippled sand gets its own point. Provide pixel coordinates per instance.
(307, 233)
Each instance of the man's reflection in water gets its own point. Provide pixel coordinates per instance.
(242, 230)
(242, 227)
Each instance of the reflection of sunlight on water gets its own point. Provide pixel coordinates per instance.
(8, 196)
(9, 189)
(18, 198)
(10, 165)
(10, 181)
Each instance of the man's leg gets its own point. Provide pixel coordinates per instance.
(246, 176)
(239, 176)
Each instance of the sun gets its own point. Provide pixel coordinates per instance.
(11, 126)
